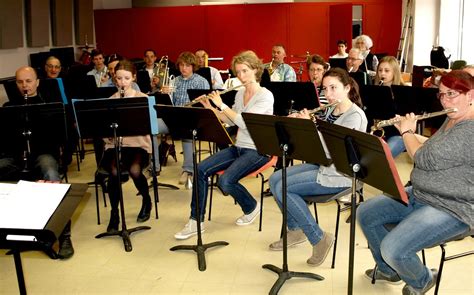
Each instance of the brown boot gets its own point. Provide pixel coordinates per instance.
(321, 250)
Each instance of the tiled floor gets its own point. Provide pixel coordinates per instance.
(101, 266)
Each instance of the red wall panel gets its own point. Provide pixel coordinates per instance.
(227, 29)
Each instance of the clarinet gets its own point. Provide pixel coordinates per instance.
(122, 92)
(26, 134)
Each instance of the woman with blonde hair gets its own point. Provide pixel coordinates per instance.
(389, 72)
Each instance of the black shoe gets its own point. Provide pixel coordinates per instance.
(144, 213)
(114, 221)
(66, 250)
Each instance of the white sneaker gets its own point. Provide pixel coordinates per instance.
(249, 218)
(189, 230)
(184, 177)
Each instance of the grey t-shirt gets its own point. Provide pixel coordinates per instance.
(443, 176)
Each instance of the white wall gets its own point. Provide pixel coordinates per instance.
(425, 30)
(12, 59)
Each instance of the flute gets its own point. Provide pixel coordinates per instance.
(201, 98)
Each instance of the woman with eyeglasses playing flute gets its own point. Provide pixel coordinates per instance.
(440, 200)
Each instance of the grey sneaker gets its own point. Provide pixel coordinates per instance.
(321, 250)
(247, 219)
(409, 290)
(381, 277)
(293, 237)
(189, 230)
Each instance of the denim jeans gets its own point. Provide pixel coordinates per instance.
(396, 145)
(419, 226)
(237, 163)
(301, 181)
(48, 167)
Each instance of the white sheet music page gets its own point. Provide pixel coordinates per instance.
(29, 205)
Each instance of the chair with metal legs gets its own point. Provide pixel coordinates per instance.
(256, 173)
(323, 199)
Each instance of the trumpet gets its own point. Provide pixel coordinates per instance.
(201, 98)
(379, 124)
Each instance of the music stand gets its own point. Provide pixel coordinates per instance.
(197, 124)
(378, 105)
(112, 118)
(286, 137)
(43, 237)
(292, 95)
(366, 158)
(34, 128)
(338, 63)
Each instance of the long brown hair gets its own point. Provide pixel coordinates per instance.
(345, 79)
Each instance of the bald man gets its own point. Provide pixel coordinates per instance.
(281, 72)
(43, 155)
(52, 67)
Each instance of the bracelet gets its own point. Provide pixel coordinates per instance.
(407, 131)
(223, 107)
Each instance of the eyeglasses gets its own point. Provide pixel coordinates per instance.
(450, 94)
(53, 67)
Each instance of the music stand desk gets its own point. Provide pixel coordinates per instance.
(366, 158)
(196, 124)
(46, 236)
(297, 139)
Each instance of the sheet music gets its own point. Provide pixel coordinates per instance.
(29, 205)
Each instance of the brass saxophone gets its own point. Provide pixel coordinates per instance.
(270, 67)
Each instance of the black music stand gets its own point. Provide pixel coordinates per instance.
(197, 124)
(43, 237)
(34, 128)
(366, 158)
(292, 95)
(287, 137)
(379, 105)
(112, 118)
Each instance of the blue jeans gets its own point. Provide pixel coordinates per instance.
(301, 181)
(48, 167)
(396, 145)
(237, 163)
(419, 226)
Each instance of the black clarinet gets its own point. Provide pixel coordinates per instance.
(122, 92)
(26, 134)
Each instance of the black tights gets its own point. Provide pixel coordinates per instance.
(133, 160)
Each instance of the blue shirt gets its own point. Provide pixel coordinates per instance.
(180, 95)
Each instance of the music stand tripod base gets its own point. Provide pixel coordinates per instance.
(200, 249)
(125, 234)
(284, 275)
